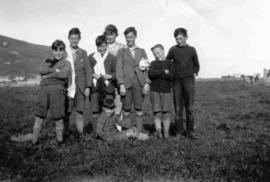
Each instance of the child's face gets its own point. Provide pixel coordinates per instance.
(181, 40)
(130, 39)
(108, 111)
(74, 40)
(159, 54)
(58, 53)
(110, 37)
(102, 49)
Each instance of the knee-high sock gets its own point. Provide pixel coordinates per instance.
(36, 129)
(79, 122)
(166, 124)
(157, 121)
(59, 128)
(139, 121)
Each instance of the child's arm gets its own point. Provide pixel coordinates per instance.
(113, 68)
(119, 68)
(88, 70)
(170, 74)
(61, 73)
(45, 67)
(170, 54)
(196, 64)
(153, 72)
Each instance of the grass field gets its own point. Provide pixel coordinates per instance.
(232, 123)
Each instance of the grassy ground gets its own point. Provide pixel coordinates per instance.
(232, 122)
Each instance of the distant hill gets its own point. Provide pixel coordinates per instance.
(19, 58)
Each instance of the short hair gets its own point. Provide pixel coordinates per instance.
(157, 46)
(58, 44)
(111, 29)
(108, 102)
(101, 39)
(181, 31)
(74, 31)
(130, 29)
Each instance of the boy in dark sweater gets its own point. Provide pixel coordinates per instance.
(52, 90)
(186, 66)
(161, 73)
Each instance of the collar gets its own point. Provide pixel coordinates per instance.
(74, 50)
(132, 48)
(182, 46)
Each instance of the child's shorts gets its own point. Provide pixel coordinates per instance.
(51, 98)
(161, 102)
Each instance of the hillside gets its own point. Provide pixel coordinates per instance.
(20, 58)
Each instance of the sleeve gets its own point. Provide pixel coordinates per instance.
(64, 72)
(88, 70)
(170, 75)
(45, 68)
(153, 72)
(119, 68)
(170, 54)
(113, 67)
(196, 64)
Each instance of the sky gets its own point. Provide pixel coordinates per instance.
(231, 37)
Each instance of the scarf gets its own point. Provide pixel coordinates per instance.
(99, 67)
(71, 80)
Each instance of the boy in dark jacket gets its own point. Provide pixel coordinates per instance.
(161, 73)
(186, 65)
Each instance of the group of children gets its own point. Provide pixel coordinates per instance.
(115, 79)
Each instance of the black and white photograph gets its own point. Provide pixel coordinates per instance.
(134, 91)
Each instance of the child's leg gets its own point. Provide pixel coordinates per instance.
(59, 128)
(79, 122)
(94, 122)
(139, 119)
(36, 129)
(166, 124)
(157, 121)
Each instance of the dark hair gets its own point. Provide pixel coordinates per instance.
(75, 31)
(101, 39)
(111, 29)
(157, 46)
(130, 29)
(181, 31)
(108, 102)
(58, 44)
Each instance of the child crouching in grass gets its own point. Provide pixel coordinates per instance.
(161, 73)
(109, 130)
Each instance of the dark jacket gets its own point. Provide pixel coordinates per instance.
(185, 60)
(110, 68)
(83, 71)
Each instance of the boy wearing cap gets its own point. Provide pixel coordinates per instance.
(186, 64)
(109, 130)
(161, 74)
